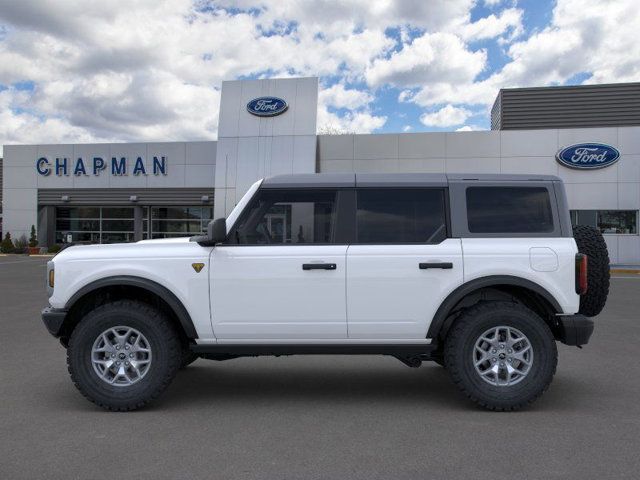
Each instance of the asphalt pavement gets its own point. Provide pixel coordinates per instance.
(315, 417)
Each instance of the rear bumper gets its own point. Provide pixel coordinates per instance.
(575, 330)
(54, 320)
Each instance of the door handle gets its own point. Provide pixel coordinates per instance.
(442, 265)
(319, 266)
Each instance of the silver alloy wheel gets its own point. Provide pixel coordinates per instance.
(121, 356)
(503, 356)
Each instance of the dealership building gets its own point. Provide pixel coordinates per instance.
(101, 193)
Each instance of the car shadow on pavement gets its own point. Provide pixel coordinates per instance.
(216, 383)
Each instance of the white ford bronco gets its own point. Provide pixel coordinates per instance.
(479, 273)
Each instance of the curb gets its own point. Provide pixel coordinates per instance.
(625, 270)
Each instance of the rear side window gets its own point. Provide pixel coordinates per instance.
(388, 215)
(509, 210)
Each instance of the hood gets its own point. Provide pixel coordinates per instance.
(165, 247)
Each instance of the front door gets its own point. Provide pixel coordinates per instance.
(281, 275)
(402, 265)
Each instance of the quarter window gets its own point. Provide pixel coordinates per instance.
(519, 210)
(288, 217)
(389, 215)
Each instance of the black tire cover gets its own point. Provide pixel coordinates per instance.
(591, 242)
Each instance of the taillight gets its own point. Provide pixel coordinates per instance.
(581, 274)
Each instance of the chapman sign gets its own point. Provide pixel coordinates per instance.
(588, 156)
(116, 166)
(267, 106)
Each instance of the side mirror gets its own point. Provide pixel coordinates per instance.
(217, 230)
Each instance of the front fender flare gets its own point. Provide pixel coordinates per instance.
(163, 292)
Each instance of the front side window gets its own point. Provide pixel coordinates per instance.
(518, 210)
(278, 217)
(389, 215)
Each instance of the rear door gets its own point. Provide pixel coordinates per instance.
(402, 264)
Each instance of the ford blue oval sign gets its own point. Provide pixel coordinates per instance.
(588, 156)
(267, 106)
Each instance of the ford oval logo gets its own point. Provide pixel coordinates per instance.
(588, 156)
(267, 106)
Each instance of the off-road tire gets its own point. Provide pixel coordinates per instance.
(591, 242)
(165, 346)
(460, 343)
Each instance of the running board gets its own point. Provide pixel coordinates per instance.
(422, 351)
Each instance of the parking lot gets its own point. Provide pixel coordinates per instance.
(315, 417)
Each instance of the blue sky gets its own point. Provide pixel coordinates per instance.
(76, 71)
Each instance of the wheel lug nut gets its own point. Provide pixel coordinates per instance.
(493, 350)
(113, 355)
(117, 363)
(494, 359)
(502, 364)
(131, 355)
(117, 347)
(126, 363)
(509, 359)
(509, 351)
(126, 347)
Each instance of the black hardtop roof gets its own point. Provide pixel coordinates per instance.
(345, 180)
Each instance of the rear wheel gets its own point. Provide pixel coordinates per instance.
(501, 355)
(123, 355)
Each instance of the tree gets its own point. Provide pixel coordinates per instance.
(7, 244)
(33, 239)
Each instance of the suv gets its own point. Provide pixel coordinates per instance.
(481, 274)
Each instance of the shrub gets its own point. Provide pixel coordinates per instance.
(7, 244)
(33, 239)
(21, 244)
(55, 248)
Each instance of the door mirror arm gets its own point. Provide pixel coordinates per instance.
(216, 233)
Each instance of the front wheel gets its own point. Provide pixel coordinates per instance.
(123, 355)
(501, 355)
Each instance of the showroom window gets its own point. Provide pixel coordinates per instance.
(608, 221)
(94, 224)
(288, 217)
(509, 210)
(169, 222)
(401, 216)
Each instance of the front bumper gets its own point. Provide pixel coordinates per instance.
(53, 319)
(575, 330)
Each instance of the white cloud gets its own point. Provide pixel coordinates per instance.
(583, 37)
(407, 128)
(432, 57)
(340, 97)
(151, 69)
(468, 128)
(352, 122)
(509, 20)
(447, 116)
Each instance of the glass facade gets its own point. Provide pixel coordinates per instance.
(117, 224)
(166, 222)
(619, 222)
(94, 224)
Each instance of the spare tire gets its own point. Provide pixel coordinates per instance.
(591, 242)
